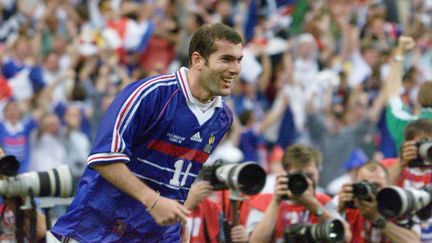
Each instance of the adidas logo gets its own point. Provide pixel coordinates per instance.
(196, 137)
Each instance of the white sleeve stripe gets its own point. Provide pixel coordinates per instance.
(396, 108)
(131, 105)
(106, 157)
(135, 106)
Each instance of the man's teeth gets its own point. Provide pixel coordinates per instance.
(229, 80)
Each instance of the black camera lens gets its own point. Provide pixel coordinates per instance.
(327, 231)
(297, 183)
(9, 165)
(425, 151)
(332, 231)
(362, 190)
(424, 155)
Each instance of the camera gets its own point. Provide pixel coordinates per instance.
(9, 165)
(327, 231)
(248, 177)
(362, 191)
(398, 202)
(297, 183)
(55, 182)
(424, 156)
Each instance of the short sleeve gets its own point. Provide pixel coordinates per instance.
(122, 124)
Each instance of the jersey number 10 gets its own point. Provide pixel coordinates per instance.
(178, 165)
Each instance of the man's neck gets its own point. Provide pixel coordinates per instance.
(196, 89)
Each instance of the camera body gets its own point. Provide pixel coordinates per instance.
(248, 177)
(424, 155)
(362, 191)
(327, 231)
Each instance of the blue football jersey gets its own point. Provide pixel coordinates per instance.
(156, 128)
(16, 141)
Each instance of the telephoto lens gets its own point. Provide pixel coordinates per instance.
(398, 202)
(55, 182)
(247, 177)
(327, 231)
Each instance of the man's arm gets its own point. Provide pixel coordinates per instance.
(398, 234)
(165, 211)
(395, 233)
(198, 192)
(409, 152)
(396, 117)
(264, 231)
(309, 201)
(393, 83)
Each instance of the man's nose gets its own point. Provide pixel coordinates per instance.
(235, 67)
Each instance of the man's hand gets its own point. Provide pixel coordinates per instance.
(281, 187)
(409, 152)
(307, 198)
(168, 211)
(197, 193)
(238, 234)
(368, 209)
(346, 195)
(405, 43)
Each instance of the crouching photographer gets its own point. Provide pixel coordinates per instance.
(15, 223)
(296, 212)
(206, 222)
(359, 204)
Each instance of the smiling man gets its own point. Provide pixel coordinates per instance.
(151, 145)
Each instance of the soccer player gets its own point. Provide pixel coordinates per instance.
(152, 143)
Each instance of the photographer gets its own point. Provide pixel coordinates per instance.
(271, 214)
(10, 217)
(367, 225)
(205, 222)
(413, 170)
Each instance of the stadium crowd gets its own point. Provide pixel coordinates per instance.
(328, 81)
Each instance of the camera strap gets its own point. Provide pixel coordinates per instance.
(205, 229)
(19, 217)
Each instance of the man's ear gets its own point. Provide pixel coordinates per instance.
(197, 60)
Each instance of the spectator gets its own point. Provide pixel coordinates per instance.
(15, 131)
(397, 116)
(47, 149)
(77, 145)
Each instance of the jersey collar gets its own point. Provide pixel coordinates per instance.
(184, 86)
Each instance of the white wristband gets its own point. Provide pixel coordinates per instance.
(398, 58)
